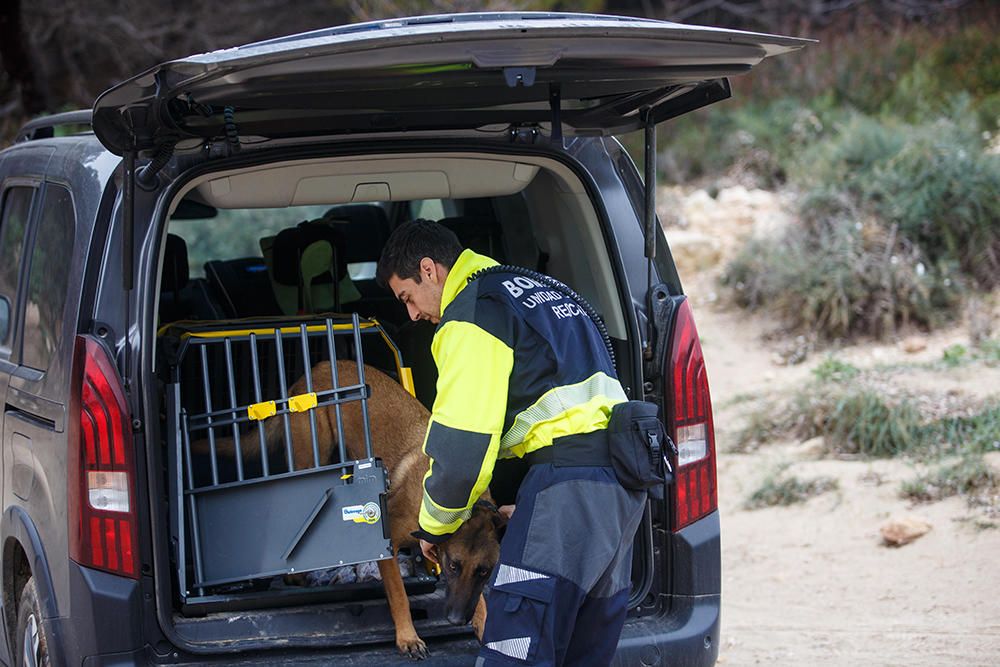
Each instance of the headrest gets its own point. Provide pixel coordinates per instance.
(479, 233)
(175, 264)
(289, 244)
(365, 228)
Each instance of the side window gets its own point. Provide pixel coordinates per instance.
(48, 280)
(13, 224)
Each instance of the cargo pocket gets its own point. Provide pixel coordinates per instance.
(518, 622)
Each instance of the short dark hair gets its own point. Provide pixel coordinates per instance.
(411, 242)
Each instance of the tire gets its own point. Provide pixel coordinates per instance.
(30, 644)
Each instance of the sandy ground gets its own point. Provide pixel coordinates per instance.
(811, 584)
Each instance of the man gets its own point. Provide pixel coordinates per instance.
(523, 372)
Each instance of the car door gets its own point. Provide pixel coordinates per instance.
(17, 200)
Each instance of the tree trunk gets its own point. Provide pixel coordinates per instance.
(15, 54)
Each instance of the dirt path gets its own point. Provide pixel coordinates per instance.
(810, 584)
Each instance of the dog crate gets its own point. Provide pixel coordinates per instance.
(242, 512)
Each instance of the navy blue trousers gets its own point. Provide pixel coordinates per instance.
(559, 592)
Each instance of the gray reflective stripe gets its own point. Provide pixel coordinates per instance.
(558, 401)
(509, 575)
(445, 516)
(515, 648)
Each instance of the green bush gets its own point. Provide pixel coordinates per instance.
(838, 278)
(943, 191)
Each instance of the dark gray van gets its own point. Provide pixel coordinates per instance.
(173, 208)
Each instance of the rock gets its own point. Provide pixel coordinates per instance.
(902, 530)
(693, 252)
(992, 461)
(811, 449)
(914, 344)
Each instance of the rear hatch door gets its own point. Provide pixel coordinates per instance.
(595, 74)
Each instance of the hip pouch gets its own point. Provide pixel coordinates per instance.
(639, 446)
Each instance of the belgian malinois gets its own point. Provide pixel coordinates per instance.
(398, 425)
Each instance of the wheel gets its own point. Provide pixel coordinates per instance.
(30, 646)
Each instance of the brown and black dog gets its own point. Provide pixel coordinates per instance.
(398, 425)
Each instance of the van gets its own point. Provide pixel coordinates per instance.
(176, 217)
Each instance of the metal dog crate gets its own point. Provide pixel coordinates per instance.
(257, 516)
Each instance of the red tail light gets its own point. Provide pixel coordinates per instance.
(690, 423)
(102, 516)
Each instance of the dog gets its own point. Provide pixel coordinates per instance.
(398, 425)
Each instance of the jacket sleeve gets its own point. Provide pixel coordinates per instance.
(463, 436)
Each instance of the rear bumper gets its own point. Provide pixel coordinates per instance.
(686, 633)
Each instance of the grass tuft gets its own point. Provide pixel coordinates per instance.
(834, 370)
(779, 489)
(858, 421)
(971, 477)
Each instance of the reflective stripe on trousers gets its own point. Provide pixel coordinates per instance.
(558, 595)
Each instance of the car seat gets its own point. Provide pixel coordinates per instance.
(243, 286)
(180, 297)
(306, 268)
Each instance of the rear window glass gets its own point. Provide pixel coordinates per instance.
(48, 281)
(233, 233)
(13, 223)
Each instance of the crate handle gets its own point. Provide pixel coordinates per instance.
(302, 402)
(259, 411)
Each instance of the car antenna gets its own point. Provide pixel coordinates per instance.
(649, 218)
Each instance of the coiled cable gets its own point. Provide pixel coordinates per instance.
(232, 135)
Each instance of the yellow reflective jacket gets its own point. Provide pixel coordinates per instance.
(519, 365)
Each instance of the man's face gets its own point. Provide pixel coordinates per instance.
(422, 299)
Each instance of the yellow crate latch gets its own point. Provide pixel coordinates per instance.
(259, 411)
(302, 402)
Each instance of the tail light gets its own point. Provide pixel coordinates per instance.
(102, 513)
(690, 423)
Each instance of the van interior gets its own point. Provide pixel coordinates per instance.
(295, 243)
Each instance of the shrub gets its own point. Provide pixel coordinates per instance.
(837, 278)
(943, 191)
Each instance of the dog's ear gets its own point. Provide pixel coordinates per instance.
(499, 523)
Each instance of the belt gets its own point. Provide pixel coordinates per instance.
(587, 449)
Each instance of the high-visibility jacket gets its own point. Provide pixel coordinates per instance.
(519, 365)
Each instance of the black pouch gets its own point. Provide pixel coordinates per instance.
(639, 447)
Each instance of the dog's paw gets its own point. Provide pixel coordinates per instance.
(412, 647)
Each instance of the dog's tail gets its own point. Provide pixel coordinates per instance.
(250, 445)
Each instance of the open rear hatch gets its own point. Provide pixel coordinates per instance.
(583, 74)
(593, 74)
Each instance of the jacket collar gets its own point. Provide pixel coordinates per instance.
(458, 276)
